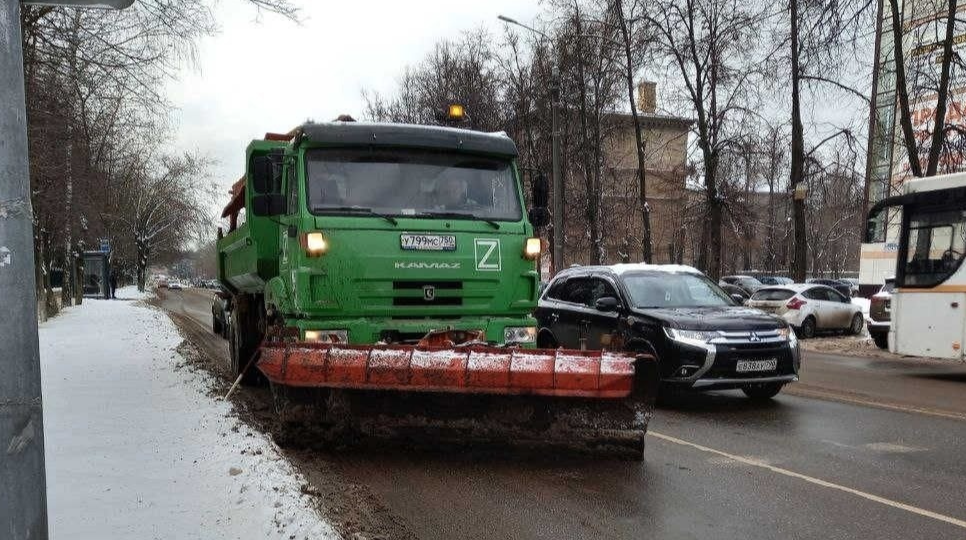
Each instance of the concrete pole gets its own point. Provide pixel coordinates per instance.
(557, 248)
(23, 486)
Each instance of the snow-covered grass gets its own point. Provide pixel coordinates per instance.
(136, 448)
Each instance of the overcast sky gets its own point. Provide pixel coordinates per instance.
(266, 73)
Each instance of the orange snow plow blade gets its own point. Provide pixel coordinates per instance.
(467, 369)
(452, 387)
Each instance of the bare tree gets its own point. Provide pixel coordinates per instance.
(711, 46)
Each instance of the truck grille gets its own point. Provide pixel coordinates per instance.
(438, 301)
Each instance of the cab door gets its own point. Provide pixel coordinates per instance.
(289, 243)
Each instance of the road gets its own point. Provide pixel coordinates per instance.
(861, 448)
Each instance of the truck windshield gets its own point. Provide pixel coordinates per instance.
(669, 290)
(418, 183)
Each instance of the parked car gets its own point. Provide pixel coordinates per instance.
(162, 284)
(220, 308)
(747, 283)
(175, 285)
(880, 314)
(775, 280)
(810, 308)
(738, 294)
(840, 286)
(702, 338)
(853, 285)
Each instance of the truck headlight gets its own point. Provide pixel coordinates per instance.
(520, 334)
(692, 336)
(532, 248)
(327, 336)
(315, 244)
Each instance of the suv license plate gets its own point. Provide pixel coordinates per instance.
(428, 242)
(745, 366)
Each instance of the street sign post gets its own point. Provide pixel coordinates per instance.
(23, 484)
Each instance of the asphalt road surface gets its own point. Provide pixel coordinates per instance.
(861, 448)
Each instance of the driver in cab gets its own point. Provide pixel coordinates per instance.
(451, 195)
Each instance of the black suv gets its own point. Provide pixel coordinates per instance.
(702, 338)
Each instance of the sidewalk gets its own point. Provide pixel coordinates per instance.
(137, 449)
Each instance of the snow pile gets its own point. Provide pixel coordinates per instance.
(137, 449)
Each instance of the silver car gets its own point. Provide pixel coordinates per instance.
(810, 308)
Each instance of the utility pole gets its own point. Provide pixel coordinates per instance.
(23, 482)
(23, 494)
(557, 242)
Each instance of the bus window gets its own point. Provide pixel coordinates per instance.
(935, 245)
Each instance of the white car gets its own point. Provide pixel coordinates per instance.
(175, 285)
(810, 308)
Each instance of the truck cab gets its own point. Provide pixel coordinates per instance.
(360, 233)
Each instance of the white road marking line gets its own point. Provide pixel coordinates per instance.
(817, 481)
(831, 396)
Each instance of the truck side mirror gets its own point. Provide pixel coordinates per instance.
(538, 214)
(541, 191)
(261, 173)
(269, 204)
(267, 173)
(738, 299)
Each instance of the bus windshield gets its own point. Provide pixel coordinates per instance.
(935, 245)
(408, 182)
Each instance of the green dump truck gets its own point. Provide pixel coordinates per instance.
(374, 257)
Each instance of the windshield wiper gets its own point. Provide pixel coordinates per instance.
(359, 209)
(463, 215)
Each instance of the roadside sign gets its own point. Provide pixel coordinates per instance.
(105, 245)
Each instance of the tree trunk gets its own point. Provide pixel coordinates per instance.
(799, 258)
(939, 124)
(905, 115)
(646, 241)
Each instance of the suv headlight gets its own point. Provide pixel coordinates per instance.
(692, 336)
(327, 336)
(520, 334)
(788, 334)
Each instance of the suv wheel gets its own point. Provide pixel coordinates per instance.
(762, 391)
(807, 329)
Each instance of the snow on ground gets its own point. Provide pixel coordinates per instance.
(137, 449)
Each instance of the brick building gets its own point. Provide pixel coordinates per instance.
(665, 146)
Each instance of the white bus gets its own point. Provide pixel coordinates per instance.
(929, 301)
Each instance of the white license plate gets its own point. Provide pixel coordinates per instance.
(745, 366)
(428, 242)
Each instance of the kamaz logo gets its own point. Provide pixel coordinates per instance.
(427, 265)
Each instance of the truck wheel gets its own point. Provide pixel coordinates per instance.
(215, 325)
(857, 323)
(881, 340)
(761, 392)
(807, 329)
(244, 339)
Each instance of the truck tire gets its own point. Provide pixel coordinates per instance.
(215, 325)
(244, 337)
(881, 340)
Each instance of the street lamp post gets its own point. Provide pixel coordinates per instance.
(557, 241)
(23, 483)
